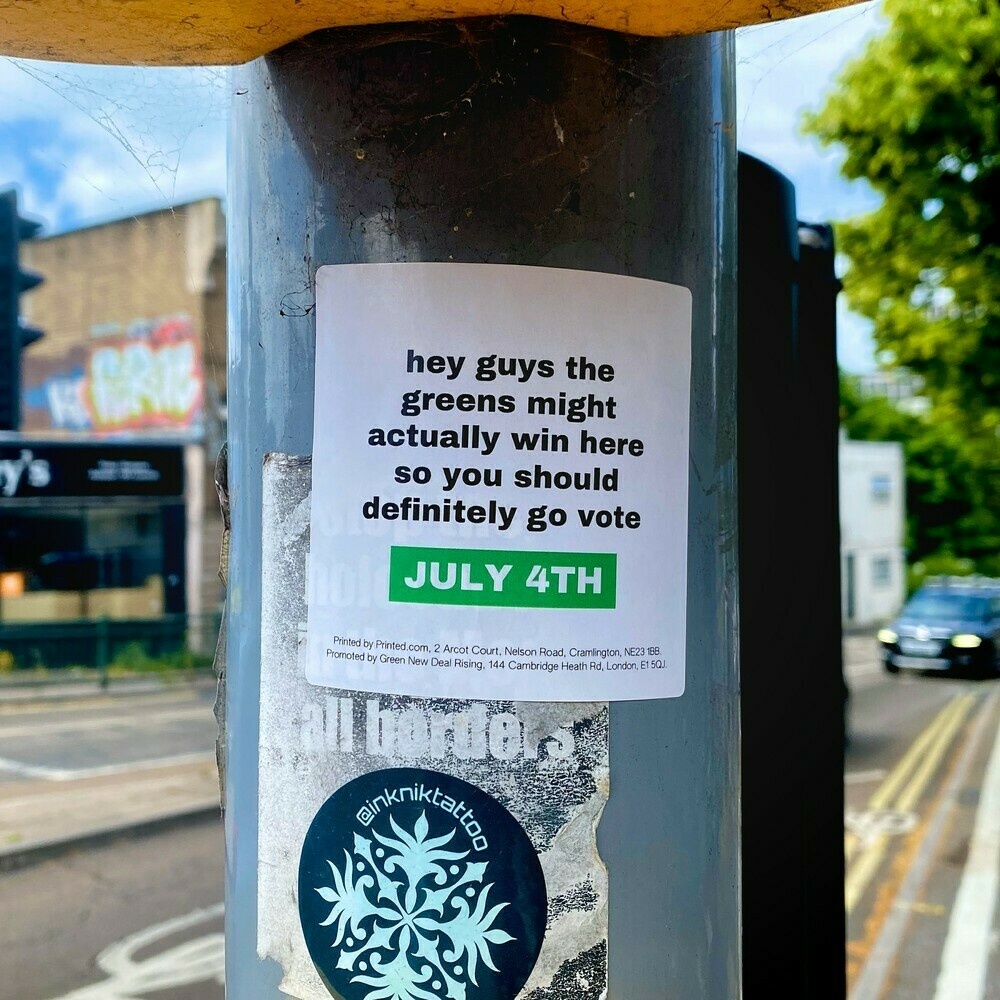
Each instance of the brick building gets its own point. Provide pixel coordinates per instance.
(123, 408)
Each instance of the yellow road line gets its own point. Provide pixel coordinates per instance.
(910, 795)
(868, 861)
(885, 792)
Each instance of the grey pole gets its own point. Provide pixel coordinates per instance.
(514, 141)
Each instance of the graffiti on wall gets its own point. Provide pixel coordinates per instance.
(150, 378)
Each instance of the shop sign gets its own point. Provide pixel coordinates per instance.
(61, 470)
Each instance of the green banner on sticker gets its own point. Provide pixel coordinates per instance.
(502, 579)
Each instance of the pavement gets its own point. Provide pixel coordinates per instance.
(862, 660)
(48, 812)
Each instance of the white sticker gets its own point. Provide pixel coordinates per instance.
(500, 483)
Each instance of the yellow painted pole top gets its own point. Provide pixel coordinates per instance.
(200, 32)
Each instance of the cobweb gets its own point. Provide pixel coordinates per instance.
(92, 142)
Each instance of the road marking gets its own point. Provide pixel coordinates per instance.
(92, 702)
(872, 823)
(105, 723)
(25, 770)
(196, 961)
(885, 793)
(75, 774)
(968, 944)
(868, 861)
(882, 958)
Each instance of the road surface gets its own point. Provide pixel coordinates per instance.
(134, 919)
(922, 837)
(141, 918)
(96, 736)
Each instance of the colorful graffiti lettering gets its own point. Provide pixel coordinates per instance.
(64, 397)
(152, 378)
(138, 385)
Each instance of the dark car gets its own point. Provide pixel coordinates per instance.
(947, 625)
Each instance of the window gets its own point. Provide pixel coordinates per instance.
(881, 487)
(881, 572)
(63, 562)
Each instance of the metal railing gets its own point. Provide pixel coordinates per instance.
(165, 643)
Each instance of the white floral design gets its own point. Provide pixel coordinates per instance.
(411, 917)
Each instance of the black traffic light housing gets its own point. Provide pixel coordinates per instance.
(14, 335)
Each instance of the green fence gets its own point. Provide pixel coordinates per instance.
(172, 641)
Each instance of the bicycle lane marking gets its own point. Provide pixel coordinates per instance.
(197, 960)
(881, 797)
(866, 840)
(868, 861)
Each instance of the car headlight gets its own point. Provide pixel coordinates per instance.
(966, 641)
(887, 636)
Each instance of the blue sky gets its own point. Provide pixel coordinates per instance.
(85, 144)
(783, 70)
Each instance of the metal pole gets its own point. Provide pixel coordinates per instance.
(513, 141)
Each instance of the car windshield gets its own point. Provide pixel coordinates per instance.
(941, 607)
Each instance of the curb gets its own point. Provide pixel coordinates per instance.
(94, 677)
(35, 695)
(14, 858)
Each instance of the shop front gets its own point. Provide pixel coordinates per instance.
(92, 552)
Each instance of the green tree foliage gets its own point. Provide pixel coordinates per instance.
(918, 116)
(952, 507)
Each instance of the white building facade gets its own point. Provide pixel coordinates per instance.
(872, 530)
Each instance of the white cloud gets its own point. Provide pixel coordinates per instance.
(86, 143)
(792, 63)
(783, 70)
(96, 142)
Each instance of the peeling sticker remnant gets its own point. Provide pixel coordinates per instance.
(509, 793)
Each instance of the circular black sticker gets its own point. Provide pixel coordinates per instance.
(414, 885)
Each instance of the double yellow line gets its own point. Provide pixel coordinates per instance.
(900, 792)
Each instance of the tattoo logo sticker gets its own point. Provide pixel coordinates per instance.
(415, 885)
